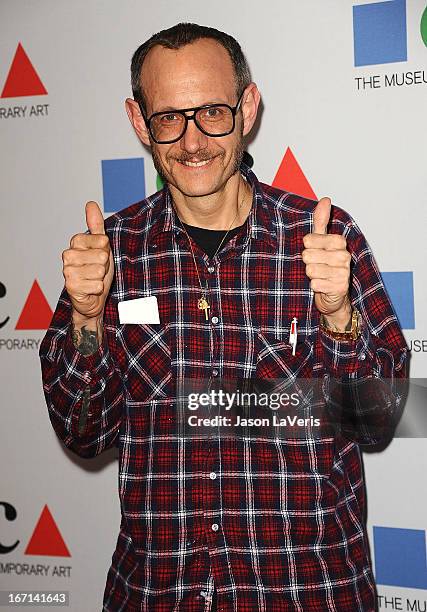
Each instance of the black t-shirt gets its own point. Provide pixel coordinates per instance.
(207, 239)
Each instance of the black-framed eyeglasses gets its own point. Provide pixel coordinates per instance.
(211, 119)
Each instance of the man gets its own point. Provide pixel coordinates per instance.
(226, 263)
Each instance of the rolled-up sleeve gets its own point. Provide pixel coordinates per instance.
(367, 377)
(84, 394)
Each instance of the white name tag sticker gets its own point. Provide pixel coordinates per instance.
(140, 310)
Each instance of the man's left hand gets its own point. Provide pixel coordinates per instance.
(327, 264)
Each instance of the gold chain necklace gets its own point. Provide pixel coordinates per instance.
(202, 302)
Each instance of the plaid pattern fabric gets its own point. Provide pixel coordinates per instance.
(276, 524)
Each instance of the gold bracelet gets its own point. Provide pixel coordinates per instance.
(352, 334)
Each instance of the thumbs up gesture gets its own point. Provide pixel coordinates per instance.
(327, 264)
(88, 267)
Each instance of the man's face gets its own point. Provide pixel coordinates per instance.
(199, 73)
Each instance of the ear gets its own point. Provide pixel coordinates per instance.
(250, 103)
(137, 120)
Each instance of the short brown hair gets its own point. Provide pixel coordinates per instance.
(183, 34)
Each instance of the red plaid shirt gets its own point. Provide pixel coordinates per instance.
(276, 524)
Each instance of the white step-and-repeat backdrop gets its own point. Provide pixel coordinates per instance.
(343, 84)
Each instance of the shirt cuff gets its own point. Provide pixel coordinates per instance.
(342, 357)
(81, 370)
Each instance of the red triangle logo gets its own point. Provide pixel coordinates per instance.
(291, 178)
(36, 314)
(22, 79)
(47, 539)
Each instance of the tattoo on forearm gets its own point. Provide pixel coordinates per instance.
(85, 341)
(84, 409)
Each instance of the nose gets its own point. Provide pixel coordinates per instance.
(193, 140)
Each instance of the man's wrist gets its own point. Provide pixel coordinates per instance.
(340, 321)
(87, 333)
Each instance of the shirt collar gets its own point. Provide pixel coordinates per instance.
(259, 224)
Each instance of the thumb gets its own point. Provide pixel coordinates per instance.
(321, 215)
(94, 218)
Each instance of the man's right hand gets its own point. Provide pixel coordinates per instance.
(88, 269)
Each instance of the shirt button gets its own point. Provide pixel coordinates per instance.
(211, 269)
(215, 526)
(362, 357)
(215, 372)
(214, 319)
(212, 476)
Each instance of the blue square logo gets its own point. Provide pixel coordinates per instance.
(379, 31)
(123, 182)
(400, 288)
(400, 557)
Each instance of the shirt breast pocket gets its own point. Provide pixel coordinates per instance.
(278, 371)
(276, 361)
(147, 361)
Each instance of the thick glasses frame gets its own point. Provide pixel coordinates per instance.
(182, 111)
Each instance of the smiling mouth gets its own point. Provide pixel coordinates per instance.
(196, 164)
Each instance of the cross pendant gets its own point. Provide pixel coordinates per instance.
(203, 304)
